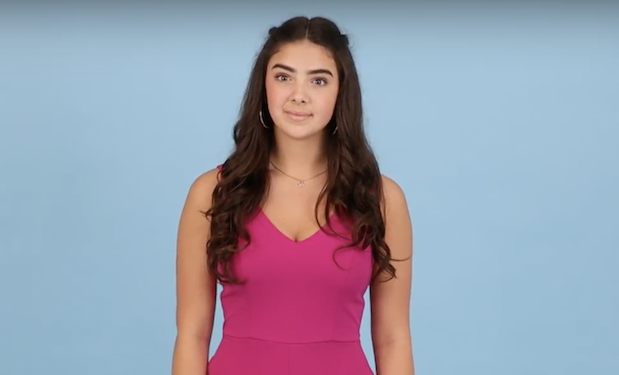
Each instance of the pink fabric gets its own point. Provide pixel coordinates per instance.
(298, 313)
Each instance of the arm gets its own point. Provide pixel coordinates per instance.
(390, 300)
(195, 286)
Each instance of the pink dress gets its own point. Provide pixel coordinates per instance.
(298, 313)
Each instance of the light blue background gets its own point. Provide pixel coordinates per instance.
(500, 122)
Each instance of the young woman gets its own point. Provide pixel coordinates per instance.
(296, 225)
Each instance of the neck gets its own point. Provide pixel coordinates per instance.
(300, 158)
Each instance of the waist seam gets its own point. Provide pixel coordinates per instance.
(291, 343)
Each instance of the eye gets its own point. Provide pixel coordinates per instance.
(281, 77)
(320, 81)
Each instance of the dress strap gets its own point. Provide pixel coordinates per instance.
(220, 168)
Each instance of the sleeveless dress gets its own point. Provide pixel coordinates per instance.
(299, 311)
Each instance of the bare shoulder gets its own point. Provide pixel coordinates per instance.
(395, 202)
(398, 224)
(201, 189)
(207, 179)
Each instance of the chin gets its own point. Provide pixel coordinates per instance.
(299, 132)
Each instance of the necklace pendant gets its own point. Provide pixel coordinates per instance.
(301, 183)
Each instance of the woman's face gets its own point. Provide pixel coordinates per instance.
(302, 85)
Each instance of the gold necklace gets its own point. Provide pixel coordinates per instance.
(301, 182)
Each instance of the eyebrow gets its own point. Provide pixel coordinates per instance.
(293, 70)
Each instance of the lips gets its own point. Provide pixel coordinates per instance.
(298, 116)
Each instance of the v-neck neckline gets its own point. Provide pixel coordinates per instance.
(286, 237)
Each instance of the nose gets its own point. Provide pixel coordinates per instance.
(299, 93)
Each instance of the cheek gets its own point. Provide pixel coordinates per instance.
(275, 94)
(327, 105)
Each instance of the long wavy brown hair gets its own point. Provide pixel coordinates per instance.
(354, 184)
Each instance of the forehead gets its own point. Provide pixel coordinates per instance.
(303, 55)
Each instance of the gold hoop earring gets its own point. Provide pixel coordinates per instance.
(262, 120)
